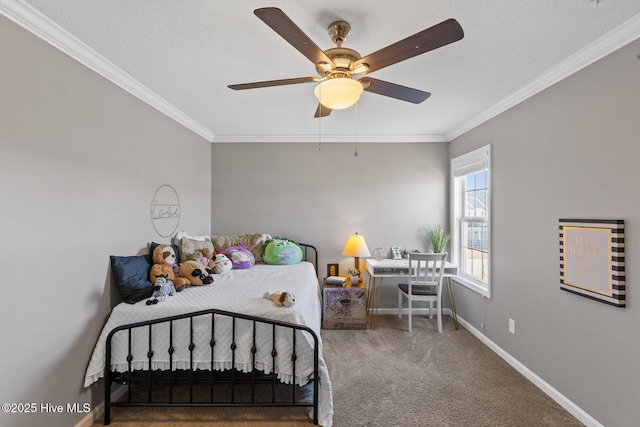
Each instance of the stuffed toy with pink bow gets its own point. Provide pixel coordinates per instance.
(221, 262)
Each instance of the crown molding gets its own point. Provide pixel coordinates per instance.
(333, 138)
(601, 47)
(41, 26)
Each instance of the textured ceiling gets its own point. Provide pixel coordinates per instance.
(180, 56)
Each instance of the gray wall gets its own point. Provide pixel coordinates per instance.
(386, 193)
(80, 160)
(570, 152)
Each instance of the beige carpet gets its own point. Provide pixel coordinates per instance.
(388, 377)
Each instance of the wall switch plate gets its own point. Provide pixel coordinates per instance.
(512, 326)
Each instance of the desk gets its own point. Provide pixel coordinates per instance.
(398, 269)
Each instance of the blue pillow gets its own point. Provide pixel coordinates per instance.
(131, 274)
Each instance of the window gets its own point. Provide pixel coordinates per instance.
(471, 220)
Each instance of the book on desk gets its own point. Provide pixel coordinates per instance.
(336, 280)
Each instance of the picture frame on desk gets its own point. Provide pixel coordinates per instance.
(396, 252)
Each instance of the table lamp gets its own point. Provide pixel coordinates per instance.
(356, 247)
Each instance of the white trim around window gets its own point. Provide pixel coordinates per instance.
(471, 219)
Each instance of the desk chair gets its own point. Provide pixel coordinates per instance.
(425, 283)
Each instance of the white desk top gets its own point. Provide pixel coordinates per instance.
(399, 267)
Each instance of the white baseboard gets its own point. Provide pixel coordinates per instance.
(561, 399)
(97, 412)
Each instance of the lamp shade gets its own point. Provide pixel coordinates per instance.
(356, 247)
(338, 93)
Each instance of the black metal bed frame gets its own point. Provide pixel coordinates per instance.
(242, 387)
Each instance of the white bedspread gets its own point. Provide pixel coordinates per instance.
(238, 291)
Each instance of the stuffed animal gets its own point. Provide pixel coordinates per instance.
(196, 273)
(281, 299)
(281, 251)
(162, 289)
(164, 257)
(221, 262)
(241, 257)
(208, 255)
(204, 256)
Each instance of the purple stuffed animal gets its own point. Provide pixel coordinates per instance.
(240, 257)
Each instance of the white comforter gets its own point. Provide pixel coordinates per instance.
(239, 291)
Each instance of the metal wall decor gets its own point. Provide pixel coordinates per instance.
(592, 259)
(165, 210)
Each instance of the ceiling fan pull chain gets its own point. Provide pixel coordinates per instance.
(355, 113)
(320, 124)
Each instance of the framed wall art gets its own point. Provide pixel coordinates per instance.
(592, 259)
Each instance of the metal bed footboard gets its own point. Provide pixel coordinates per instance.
(237, 385)
(212, 378)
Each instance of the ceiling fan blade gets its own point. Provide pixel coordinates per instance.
(437, 36)
(393, 90)
(288, 30)
(322, 111)
(269, 83)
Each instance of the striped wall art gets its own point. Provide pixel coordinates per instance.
(592, 259)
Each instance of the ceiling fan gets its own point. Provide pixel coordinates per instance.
(337, 66)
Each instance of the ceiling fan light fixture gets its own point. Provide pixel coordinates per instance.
(338, 93)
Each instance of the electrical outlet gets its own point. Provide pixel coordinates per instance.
(512, 326)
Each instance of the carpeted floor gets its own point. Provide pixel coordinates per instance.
(388, 377)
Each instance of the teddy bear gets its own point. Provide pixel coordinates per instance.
(207, 257)
(198, 256)
(162, 289)
(164, 257)
(221, 262)
(196, 273)
(281, 299)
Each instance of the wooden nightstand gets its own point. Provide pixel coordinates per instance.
(344, 307)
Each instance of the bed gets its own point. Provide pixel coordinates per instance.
(225, 335)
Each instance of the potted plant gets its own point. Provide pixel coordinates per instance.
(437, 238)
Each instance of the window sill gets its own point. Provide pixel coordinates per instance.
(484, 290)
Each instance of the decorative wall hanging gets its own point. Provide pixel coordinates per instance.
(592, 259)
(165, 210)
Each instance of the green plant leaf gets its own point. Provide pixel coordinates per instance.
(437, 238)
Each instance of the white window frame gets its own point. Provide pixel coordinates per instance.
(461, 166)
